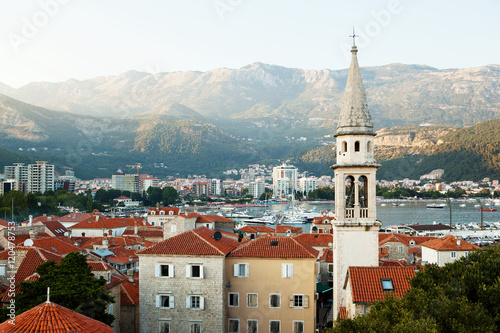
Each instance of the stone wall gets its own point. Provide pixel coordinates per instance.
(211, 287)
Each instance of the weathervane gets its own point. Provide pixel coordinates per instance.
(353, 36)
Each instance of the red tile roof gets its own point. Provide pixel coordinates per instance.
(384, 238)
(212, 218)
(98, 221)
(199, 241)
(88, 243)
(75, 217)
(21, 238)
(394, 263)
(129, 292)
(283, 229)
(149, 232)
(4, 223)
(315, 239)
(42, 219)
(55, 227)
(98, 265)
(286, 247)
(449, 243)
(323, 219)
(366, 282)
(56, 245)
(52, 318)
(343, 312)
(167, 210)
(130, 221)
(383, 252)
(327, 255)
(256, 228)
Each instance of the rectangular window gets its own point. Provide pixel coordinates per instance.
(252, 300)
(164, 270)
(274, 326)
(165, 301)
(387, 285)
(287, 271)
(330, 268)
(252, 325)
(195, 302)
(194, 271)
(2, 270)
(299, 301)
(400, 248)
(453, 254)
(164, 326)
(173, 228)
(234, 326)
(274, 300)
(195, 327)
(298, 326)
(234, 299)
(241, 270)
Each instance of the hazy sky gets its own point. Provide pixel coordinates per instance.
(54, 40)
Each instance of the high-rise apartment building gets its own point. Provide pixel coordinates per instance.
(125, 182)
(284, 180)
(40, 177)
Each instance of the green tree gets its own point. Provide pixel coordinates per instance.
(154, 195)
(170, 196)
(72, 285)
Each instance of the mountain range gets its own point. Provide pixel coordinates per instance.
(206, 122)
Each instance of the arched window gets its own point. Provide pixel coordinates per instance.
(162, 212)
(369, 147)
(356, 146)
(153, 212)
(344, 146)
(363, 192)
(171, 212)
(349, 192)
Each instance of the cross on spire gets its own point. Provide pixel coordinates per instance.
(353, 36)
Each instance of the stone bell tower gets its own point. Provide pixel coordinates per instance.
(355, 228)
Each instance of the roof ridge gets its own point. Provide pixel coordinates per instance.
(206, 241)
(303, 246)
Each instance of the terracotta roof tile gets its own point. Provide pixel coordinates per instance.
(315, 239)
(256, 228)
(149, 232)
(449, 243)
(383, 252)
(4, 223)
(55, 227)
(327, 255)
(88, 243)
(99, 265)
(56, 245)
(284, 228)
(394, 263)
(323, 219)
(366, 282)
(74, 217)
(129, 292)
(199, 241)
(404, 239)
(285, 247)
(52, 318)
(98, 221)
(167, 210)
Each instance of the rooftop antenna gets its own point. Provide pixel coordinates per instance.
(353, 36)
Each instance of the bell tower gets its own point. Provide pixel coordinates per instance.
(355, 228)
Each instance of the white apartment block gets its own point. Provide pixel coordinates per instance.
(40, 177)
(125, 182)
(284, 180)
(308, 184)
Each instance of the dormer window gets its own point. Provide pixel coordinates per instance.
(387, 285)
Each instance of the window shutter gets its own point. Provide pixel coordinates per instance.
(201, 271)
(305, 301)
(247, 270)
(202, 302)
(171, 305)
(290, 299)
(158, 301)
(171, 270)
(188, 302)
(157, 270)
(188, 271)
(236, 269)
(283, 270)
(290, 270)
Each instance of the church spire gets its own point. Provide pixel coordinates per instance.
(354, 115)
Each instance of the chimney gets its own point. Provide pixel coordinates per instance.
(49, 218)
(33, 234)
(195, 209)
(136, 231)
(459, 241)
(30, 223)
(130, 275)
(74, 215)
(105, 243)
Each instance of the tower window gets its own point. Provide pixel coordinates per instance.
(344, 147)
(369, 147)
(356, 146)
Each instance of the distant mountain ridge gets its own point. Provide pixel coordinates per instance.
(398, 94)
